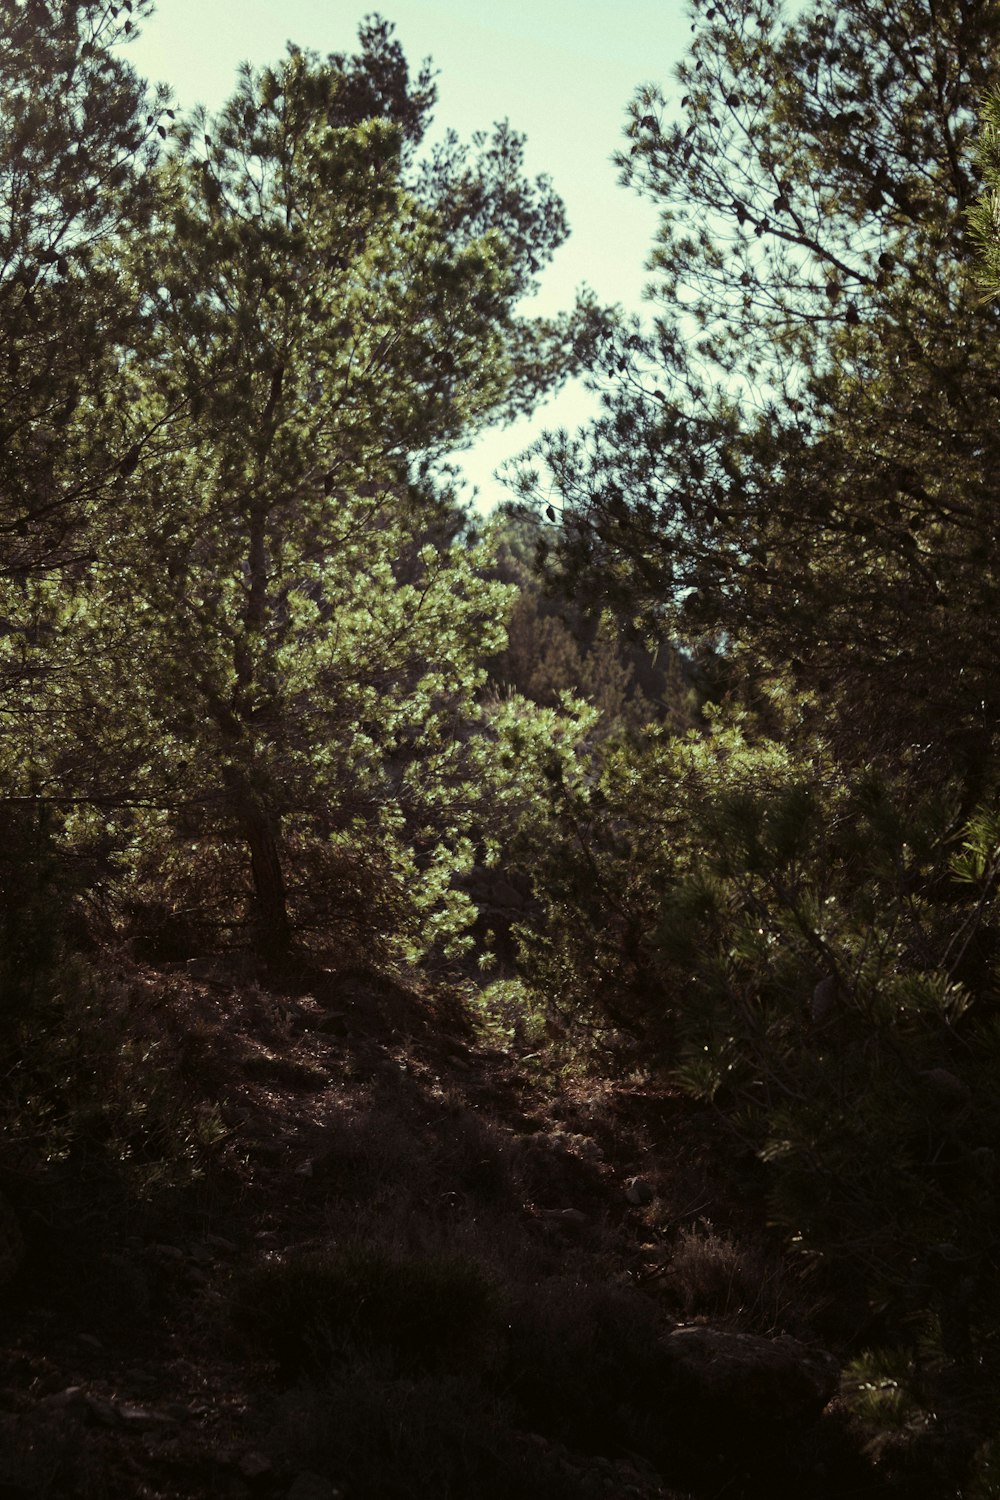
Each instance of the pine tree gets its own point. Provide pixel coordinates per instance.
(327, 317)
(984, 215)
(798, 460)
(77, 147)
(79, 141)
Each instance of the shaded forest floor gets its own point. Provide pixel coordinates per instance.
(328, 1242)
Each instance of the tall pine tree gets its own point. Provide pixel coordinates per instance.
(797, 461)
(325, 316)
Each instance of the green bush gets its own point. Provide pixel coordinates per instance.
(94, 1084)
(811, 947)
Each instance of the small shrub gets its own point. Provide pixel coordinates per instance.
(506, 1014)
(916, 1418)
(308, 1311)
(711, 1274)
(583, 1365)
(94, 1083)
(879, 1388)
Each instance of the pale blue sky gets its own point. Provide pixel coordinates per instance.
(562, 71)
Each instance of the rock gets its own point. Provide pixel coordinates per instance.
(165, 1252)
(217, 1242)
(824, 1000)
(143, 1416)
(75, 1401)
(105, 1413)
(72, 1400)
(742, 1378)
(984, 1159)
(180, 1411)
(638, 1191)
(571, 1218)
(945, 1088)
(254, 1465)
(205, 971)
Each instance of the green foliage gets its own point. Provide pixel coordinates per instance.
(796, 463)
(79, 144)
(77, 153)
(812, 949)
(506, 1014)
(92, 1084)
(366, 345)
(984, 215)
(556, 646)
(795, 911)
(879, 1387)
(247, 644)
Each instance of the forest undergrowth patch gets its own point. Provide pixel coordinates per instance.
(372, 1232)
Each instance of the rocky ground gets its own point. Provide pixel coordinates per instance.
(381, 1258)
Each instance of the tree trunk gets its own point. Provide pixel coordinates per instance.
(271, 927)
(272, 930)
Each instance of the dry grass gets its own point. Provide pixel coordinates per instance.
(312, 1312)
(709, 1274)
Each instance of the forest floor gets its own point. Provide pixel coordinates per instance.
(382, 1258)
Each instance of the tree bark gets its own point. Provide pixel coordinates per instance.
(271, 926)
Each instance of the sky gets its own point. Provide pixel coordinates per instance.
(562, 72)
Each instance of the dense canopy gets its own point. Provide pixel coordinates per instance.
(683, 766)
